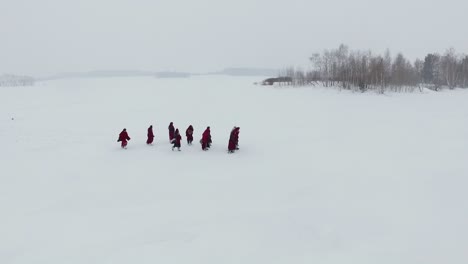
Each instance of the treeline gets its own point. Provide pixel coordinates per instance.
(363, 71)
(15, 80)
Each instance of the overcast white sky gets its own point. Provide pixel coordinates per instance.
(42, 37)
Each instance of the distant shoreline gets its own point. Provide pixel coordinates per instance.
(161, 74)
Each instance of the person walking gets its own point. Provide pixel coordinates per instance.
(176, 140)
(206, 139)
(189, 134)
(150, 134)
(171, 132)
(232, 141)
(123, 137)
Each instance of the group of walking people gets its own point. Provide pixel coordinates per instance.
(175, 138)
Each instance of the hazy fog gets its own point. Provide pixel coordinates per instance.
(41, 37)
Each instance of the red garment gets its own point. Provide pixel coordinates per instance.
(150, 135)
(206, 139)
(231, 145)
(171, 132)
(189, 134)
(123, 137)
(236, 135)
(177, 140)
(233, 139)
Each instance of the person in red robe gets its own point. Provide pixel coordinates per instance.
(176, 140)
(189, 134)
(171, 132)
(149, 141)
(123, 137)
(232, 140)
(206, 139)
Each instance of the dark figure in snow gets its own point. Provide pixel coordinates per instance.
(176, 140)
(150, 135)
(234, 140)
(189, 134)
(206, 139)
(171, 132)
(123, 137)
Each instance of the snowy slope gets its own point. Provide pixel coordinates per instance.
(322, 176)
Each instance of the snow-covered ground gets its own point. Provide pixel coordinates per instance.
(322, 176)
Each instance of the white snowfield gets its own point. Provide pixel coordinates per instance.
(321, 176)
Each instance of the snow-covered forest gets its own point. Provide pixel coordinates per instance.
(363, 71)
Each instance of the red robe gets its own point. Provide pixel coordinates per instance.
(206, 139)
(189, 134)
(233, 140)
(171, 132)
(150, 135)
(123, 137)
(177, 139)
(231, 145)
